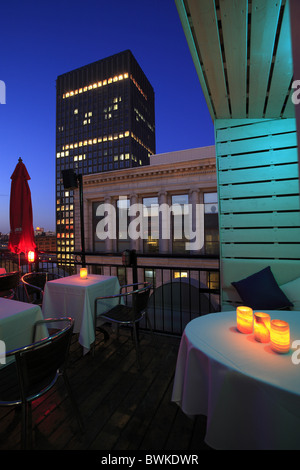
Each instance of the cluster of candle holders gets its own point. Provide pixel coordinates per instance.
(265, 330)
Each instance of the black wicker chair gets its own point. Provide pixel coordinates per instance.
(34, 371)
(9, 283)
(34, 284)
(129, 309)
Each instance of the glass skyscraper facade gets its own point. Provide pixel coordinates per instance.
(105, 121)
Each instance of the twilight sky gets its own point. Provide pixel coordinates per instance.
(41, 39)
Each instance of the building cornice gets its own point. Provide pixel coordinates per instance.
(200, 166)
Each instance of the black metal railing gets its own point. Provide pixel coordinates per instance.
(183, 287)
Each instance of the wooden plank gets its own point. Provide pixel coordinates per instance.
(242, 130)
(272, 219)
(263, 204)
(289, 110)
(180, 4)
(264, 250)
(273, 172)
(102, 386)
(264, 20)
(207, 36)
(283, 68)
(256, 144)
(248, 160)
(224, 123)
(254, 235)
(235, 12)
(269, 188)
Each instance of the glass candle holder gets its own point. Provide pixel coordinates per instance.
(244, 319)
(280, 336)
(262, 325)
(83, 273)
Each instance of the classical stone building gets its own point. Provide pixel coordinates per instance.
(181, 177)
(185, 178)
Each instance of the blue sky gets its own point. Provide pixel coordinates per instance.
(41, 40)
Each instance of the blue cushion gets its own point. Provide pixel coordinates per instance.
(260, 291)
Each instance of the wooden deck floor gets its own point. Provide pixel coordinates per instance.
(122, 408)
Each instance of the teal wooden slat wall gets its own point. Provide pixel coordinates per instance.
(259, 209)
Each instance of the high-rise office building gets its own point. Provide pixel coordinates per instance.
(105, 120)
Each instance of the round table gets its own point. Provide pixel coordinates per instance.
(249, 393)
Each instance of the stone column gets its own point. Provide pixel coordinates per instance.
(164, 243)
(195, 200)
(135, 244)
(109, 242)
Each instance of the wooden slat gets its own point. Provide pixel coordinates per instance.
(257, 144)
(272, 172)
(283, 68)
(241, 129)
(235, 12)
(269, 188)
(264, 20)
(180, 4)
(289, 110)
(256, 235)
(269, 219)
(269, 157)
(207, 36)
(264, 250)
(260, 204)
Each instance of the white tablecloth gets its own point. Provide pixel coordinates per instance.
(16, 323)
(75, 297)
(250, 394)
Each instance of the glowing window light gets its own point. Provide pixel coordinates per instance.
(280, 336)
(244, 319)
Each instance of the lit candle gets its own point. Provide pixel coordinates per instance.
(244, 319)
(280, 336)
(83, 273)
(262, 325)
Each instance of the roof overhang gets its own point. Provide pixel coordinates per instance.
(242, 52)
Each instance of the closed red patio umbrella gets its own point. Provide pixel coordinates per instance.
(21, 237)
